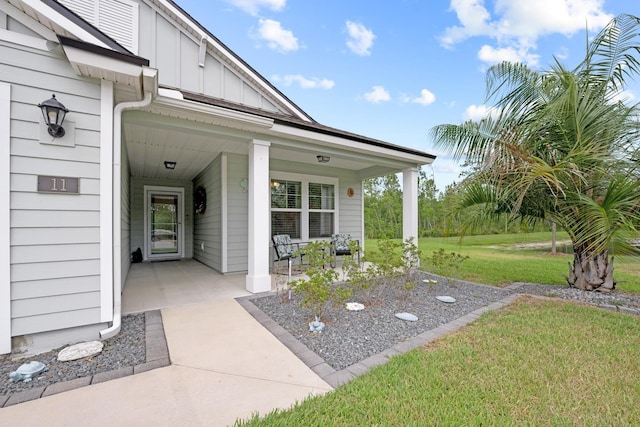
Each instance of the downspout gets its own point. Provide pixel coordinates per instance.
(117, 241)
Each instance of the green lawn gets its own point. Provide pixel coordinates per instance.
(497, 260)
(533, 363)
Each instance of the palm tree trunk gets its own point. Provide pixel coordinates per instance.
(553, 237)
(591, 271)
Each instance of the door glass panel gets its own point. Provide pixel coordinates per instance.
(164, 224)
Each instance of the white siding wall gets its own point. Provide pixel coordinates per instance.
(125, 216)
(237, 214)
(136, 203)
(55, 263)
(208, 226)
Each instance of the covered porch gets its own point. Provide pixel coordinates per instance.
(177, 145)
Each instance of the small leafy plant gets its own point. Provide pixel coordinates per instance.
(445, 263)
(318, 289)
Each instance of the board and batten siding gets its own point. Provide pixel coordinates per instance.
(175, 52)
(136, 203)
(55, 238)
(207, 228)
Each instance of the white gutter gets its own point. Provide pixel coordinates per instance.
(117, 240)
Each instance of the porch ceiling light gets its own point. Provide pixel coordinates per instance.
(53, 112)
(323, 159)
(169, 165)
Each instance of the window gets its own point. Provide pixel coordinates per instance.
(321, 210)
(303, 207)
(286, 207)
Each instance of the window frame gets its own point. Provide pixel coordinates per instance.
(304, 211)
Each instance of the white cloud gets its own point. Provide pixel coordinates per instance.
(426, 97)
(474, 18)
(476, 112)
(277, 37)
(360, 38)
(303, 82)
(491, 55)
(377, 94)
(626, 96)
(446, 165)
(516, 25)
(253, 7)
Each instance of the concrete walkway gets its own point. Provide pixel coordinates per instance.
(225, 365)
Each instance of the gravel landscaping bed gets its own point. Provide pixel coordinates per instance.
(351, 336)
(125, 349)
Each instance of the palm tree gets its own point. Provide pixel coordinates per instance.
(562, 146)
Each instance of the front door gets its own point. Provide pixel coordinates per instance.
(163, 225)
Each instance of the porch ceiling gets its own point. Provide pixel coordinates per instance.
(151, 139)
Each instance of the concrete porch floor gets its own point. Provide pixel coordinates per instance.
(158, 285)
(224, 364)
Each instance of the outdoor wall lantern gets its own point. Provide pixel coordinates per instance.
(169, 165)
(323, 159)
(53, 112)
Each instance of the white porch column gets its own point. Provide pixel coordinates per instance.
(410, 204)
(258, 278)
(5, 220)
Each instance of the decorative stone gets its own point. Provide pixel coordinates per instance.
(430, 281)
(316, 326)
(407, 316)
(355, 306)
(27, 371)
(79, 351)
(445, 298)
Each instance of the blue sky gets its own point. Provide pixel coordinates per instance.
(392, 70)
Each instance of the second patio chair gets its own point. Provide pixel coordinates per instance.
(341, 246)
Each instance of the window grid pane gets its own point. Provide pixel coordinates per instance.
(321, 196)
(286, 194)
(320, 224)
(286, 223)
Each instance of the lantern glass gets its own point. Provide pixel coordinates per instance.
(54, 112)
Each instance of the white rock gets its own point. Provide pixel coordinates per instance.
(407, 316)
(355, 306)
(78, 351)
(445, 298)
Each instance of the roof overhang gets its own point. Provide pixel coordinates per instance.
(89, 60)
(288, 130)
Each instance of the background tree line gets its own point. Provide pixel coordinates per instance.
(438, 215)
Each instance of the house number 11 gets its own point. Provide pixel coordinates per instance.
(57, 184)
(54, 182)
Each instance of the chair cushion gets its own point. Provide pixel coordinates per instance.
(341, 243)
(282, 243)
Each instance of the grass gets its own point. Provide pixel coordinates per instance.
(536, 362)
(499, 260)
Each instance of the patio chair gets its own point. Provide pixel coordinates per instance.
(341, 246)
(284, 250)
